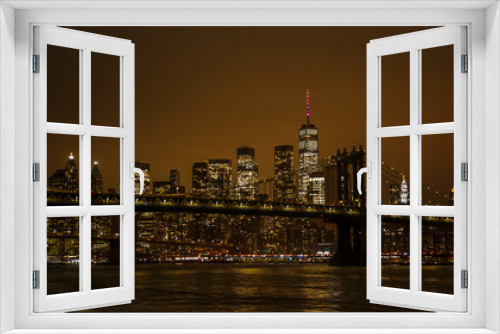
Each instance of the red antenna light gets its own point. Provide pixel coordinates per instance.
(307, 106)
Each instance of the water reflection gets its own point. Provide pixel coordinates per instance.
(239, 287)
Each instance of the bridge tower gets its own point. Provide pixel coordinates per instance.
(340, 173)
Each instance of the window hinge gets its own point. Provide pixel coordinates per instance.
(464, 171)
(36, 279)
(464, 279)
(36, 172)
(465, 64)
(36, 63)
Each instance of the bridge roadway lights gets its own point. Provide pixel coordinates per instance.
(340, 213)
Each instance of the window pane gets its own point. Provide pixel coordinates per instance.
(437, 84)
(395, 183)
(437, 170)
(395, 252)
(437, 254)
(63, 85)
(395, 91)
(105, 90)
(105, 178)
(105, 252)
(63, 255)
(62, 169)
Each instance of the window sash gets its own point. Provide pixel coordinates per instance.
(413, 43)
(86, 43)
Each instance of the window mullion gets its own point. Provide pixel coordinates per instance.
(81, 226)
(415, 171)
(85, 176)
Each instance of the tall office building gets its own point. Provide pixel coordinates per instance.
(200, 178)
(284, 178)
(175, 177)
(96, 180)
(71, 174)
(146, 168)
(66, 178)
(247, 174)
(308, 155)
(219, 178)
(316, 189)
(404, 192)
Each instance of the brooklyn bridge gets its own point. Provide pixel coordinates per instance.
(349, 221)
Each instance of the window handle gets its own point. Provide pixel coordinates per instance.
(368, 171)
(133, 171)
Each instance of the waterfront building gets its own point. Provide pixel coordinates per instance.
(199, 178)
(219, 178)
(96, 180)
(175, 177)
(63, 240)
(284, 174)
(162, 187)
(105, 239)
(308, 155)
(395, 245)
(146, 168)
(247, 174)
(316, 189)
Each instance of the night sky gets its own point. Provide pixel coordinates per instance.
(203, 91)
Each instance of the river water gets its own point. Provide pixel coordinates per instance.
(240, 287)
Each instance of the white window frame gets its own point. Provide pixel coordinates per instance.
(414, 44)
(86, 44)
(483, 20)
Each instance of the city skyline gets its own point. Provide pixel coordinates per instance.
(205, 100)
(332, 185)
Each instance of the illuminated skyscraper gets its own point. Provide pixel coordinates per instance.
(66, 178)
(200, 178)
(284, 178)
(71, 173)
(96, 180)
(308, 155)
(219, 178)
(316, 189)
(404, 192)
(247, 174)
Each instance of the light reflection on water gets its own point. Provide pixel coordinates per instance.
(239, 287)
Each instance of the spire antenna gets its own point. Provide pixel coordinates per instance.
(307, 106)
